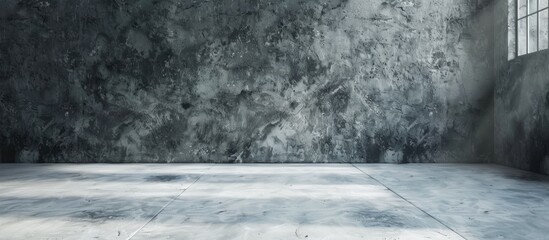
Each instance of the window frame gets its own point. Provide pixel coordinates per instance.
(526, 17)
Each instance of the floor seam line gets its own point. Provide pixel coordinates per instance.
(408, 201)
(167, 204)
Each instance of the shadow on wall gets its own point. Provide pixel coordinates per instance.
(246, 81)
(523, 114)
(521, 106)
(8, 155)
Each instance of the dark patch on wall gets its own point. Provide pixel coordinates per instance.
(537, 147)
(414, 151)
(8, 155)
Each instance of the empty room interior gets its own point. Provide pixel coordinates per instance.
(274, 119)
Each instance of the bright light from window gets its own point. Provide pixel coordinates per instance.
(528, 27)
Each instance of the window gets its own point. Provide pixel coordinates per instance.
(527, 27)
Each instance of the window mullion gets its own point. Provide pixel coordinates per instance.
(537, 26)
(527, 30)
(526, 21)
(517, 28)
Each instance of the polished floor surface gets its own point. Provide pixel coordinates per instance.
(195, 202)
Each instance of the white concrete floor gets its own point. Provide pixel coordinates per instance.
(143, 201)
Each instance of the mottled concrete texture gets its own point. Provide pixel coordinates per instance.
(245, 81)
(521, 103)
(241, 202)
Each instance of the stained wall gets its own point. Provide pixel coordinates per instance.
(248, 81)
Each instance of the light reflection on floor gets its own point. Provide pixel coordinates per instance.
(194, 201)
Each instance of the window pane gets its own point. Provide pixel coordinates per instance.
(532, 6)
(511, 30)
(522, 8)
(522, 37)
(533, 33)
(543, 4)
(543, 29)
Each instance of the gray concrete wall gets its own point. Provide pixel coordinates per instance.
(246, 81)
(521, 104)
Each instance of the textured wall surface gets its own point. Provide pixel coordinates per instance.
(521, 104)
(245, 81)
